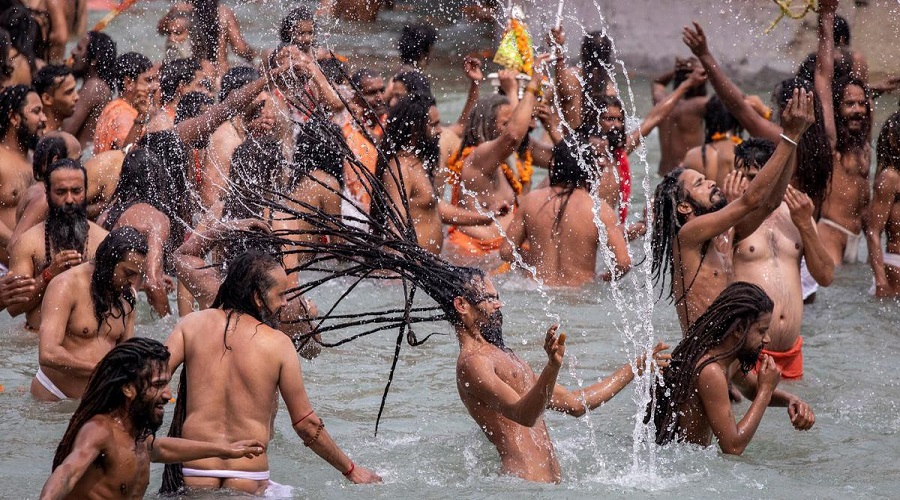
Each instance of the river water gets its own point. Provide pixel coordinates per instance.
(429, 447)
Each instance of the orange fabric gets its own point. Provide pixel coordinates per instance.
(472, 245)
(366, 153)
(113, 125)
(790, 362)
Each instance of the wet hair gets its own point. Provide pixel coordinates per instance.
(131, 362)
(191, 106)
(175, 73)
(256, 164)
(415, 83)
(49, 78)
(847, 140)
(364, 74)
(666, 224)
(736, 309)
(416, 41)
(63, 164)
(334, 70)
(24, 33)
(204, 30)
(590, 123)
(12, 100)
(48, 150)
(843, 66)
(302, 13)
(236, 78)
(570, 156)
(814, 156)
(6, 68)
(718, 120)
(887, 151)
(753, 153)
(129, 66)
(596, 59)
(841, 31)
(482, 124)
(315, 149)
(101, 49)
(471, 279)
(247, 279)
(112, 250)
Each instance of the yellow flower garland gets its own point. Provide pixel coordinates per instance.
(523, 43)
(524, 167)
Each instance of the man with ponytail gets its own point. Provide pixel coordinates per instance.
(111, 439)
(691, 404)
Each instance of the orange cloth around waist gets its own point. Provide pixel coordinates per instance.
(790, 362)
(472, 245)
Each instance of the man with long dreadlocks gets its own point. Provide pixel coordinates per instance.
(502, 393)
(691, 404)
(87, 311)
(690, 212)
(562, 247)
(66, 239)
(235, 364)
(111, 439)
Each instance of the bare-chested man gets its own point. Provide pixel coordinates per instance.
(884, 212)
(770, 258)
(87, 311)
(235, 364)
(502, 393)
(106, 452)
(715, 157)
(683, 128)
(93, 61)
(56, 87)
(176, 79)
(22, 122)
(485, 181)
(690, 211)
(557, 221)
(66, 239)
(692, 403)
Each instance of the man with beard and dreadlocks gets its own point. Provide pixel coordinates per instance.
(235, 364)
(87, 311)
(409, 154)
(66, 239)
(111, 438)
(691, 404)
(502, 393)
(561, 246)
(690, 212)
(22, 122)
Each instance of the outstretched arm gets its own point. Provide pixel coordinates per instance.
(90, 442)
(169, 450)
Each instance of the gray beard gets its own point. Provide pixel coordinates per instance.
(68, 228)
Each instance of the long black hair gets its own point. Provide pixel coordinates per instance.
(735, 309)
(101, 50)
(114, 248)
(256, 164)
(131, 362)
(887, 151)
(50, 148)
(718, 120)
(316, 149)
(666, 224)
(205, 29)
(848, 140)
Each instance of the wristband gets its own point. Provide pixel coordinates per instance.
(47, 275)
(531, 90)
(789, 139)
(352, 468)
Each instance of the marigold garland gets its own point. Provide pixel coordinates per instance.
(719, 136)
(524, 167)
(523, 43)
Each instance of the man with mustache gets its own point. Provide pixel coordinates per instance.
(235, 365)
(690, 212)
(59, 95)
(111, 439)
(502, 393)
(22, 123)
(66, 239)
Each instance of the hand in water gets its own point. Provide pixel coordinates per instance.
(15, 290)
(660, 359)
(799, 113)
(555, 346)
(244, 449)
(735, 185)
(472, 69)
(800, 205)
(801, 415)
(769, 375)
(695, 39)
(361, 475)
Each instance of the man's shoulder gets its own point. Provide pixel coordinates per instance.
(31, 238)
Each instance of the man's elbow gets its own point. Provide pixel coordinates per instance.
(824, 277)
(732, 449)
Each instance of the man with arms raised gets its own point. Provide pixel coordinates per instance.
(690, 211)
(692, 404)
(56, 87)
(235, 364)
(87, 311)
(66, 239)
(22, 122)
(111, 439)
(505, 397)
(770, 258)
(884, 212)
(683, 129)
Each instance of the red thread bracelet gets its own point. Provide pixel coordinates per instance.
(302, 418)
(352, 468)
(47, 275)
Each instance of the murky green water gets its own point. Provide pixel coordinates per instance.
(429, 447)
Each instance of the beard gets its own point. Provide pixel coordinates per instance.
(849, 138)
(616, 138)
(26, 138)
(492, 329)
(748, 358)
(67, 226)
(717, 202)
(143, 417)
(270, 318)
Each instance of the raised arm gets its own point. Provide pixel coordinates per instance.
(234, 36)
(472, 69)
(568, 85)
(824, 75)
(730, 94)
